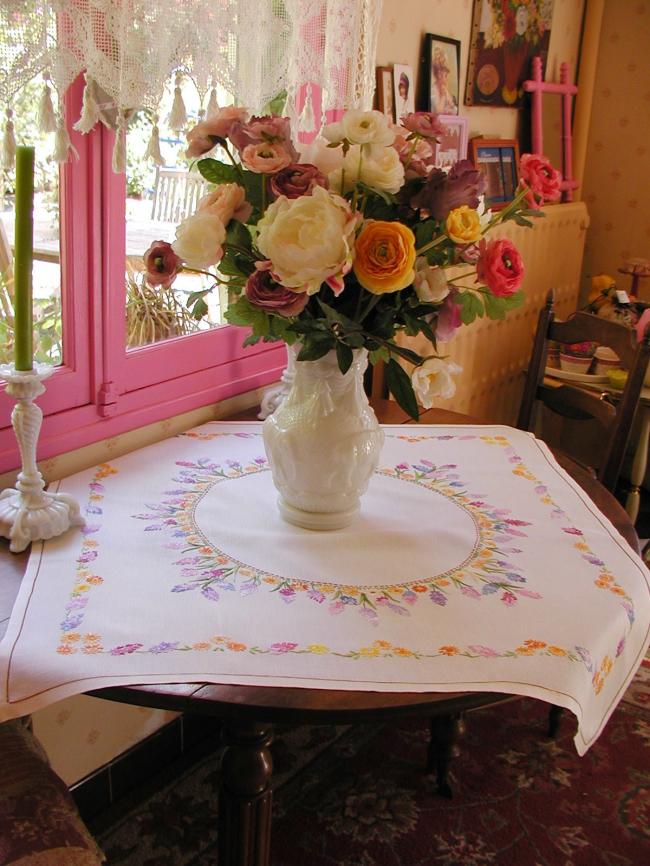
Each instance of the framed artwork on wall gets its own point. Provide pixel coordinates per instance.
(404, 89)
(498, 159)
(384, 96)
(440, 74)
(505, 35)
(452, 145)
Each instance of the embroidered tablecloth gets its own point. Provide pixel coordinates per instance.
(476, 564)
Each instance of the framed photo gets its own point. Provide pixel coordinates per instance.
(505, 36)
(452, 145)
(404, 89)
(384, 96)
(440, 66)
(498, 159)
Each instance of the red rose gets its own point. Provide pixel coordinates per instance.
(296, 180)
(161, 264)
(542, 180)
(500, 267)
(264, 293)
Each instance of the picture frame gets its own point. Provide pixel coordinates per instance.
(503, 40)
(440, 74)
(498, 159)
(403, 89)
(452, 145)
(384, 92)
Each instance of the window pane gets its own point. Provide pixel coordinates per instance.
(157, 199)
(46, 274)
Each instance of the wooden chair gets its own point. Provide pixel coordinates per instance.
(614, 416)
(176, 194)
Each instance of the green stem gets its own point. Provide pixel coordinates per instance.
(236, 164)
(433, 243)
(205, 273)
(414, 144)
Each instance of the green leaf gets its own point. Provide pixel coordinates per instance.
(495, 307)
(315, 349)
(217, 172)
(200, 309)
(344, 356)
(252, 183)
(399, 384)
(377, 355)
(471, 306)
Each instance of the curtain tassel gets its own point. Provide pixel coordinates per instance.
(307, 122)
(46, 115)
(153, 148)
(213, 105)
(119, 148)
(63, 147)
(9, 142)
(178, 115)
(89, 108)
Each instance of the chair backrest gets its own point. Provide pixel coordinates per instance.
(614, 415)
(176, 194)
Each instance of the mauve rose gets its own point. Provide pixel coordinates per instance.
(417, 157)
(161, 264)
(269, 129)
(449, 320)
(542, 180)
(265, 158)
(200, 139)
(425, 123)
(264, 293)
(500, 267)
(296, 180)
(443, 193)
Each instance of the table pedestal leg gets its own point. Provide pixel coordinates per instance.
(245, 795)
(639, 465)
(443, 746)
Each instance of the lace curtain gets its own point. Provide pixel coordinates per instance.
(319, 53)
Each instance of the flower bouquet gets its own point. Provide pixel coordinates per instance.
(348, 243)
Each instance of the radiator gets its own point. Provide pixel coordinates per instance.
(494, 354)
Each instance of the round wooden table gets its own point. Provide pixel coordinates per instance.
(248, 712)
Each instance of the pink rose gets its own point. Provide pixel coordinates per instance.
(265, 158)
(161, 264)
(201, 138)
(264, 293)
(269, 129)
(424, 123)
(542, 180)
(227, 201)
(296, 180)
(449, 320)
(500, 267)
(417, 157)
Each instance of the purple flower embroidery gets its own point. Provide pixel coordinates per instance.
(210, 593)
(316, 595)
(71, 622)
(470, 592)
(438, 597)
(486, 651)
(287, 594)
(163, 647)
(125, 649)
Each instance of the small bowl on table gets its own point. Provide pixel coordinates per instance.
(617, 378)
(605, 359)
(574, 363)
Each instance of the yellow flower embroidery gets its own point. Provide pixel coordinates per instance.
(317, 648)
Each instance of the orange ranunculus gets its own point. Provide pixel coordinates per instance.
(384, 257)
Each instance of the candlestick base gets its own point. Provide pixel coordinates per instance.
(27, 512)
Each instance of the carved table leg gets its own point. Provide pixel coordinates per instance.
(443, 746)
(639, 465)
(554, 716)
(245, 795)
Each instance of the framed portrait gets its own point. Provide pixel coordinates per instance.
(505, 36)
(440, 68)
(384, 95)
(452, 144)
(404, 89)
(498, 159)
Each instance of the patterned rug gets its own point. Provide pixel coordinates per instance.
(358, 796)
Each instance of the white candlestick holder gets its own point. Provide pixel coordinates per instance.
(27, 512)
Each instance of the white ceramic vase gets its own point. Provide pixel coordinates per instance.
(323, 443)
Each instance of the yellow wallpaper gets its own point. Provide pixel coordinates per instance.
(617, 170)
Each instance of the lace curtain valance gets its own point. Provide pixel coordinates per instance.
(129, 50)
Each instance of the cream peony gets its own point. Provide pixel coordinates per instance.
(379, 167)
(326, 159)
(430, 284)
(199, 238)
(433, 379)
(309, 240)
(361, 127)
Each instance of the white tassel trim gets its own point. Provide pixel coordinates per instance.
(46, 115)
(9, 142)
(213, 105)
(153, 148)
(307, 121)
(119, 148)
(178, 116)
(89, 109)
(63, 147)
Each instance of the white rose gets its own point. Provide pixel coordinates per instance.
(431, 285)
(326, 159)
(199, 238)
(361, 127)
(378, 167)
(433, 379)
(309, 240)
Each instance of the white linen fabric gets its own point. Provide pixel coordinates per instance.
(477, 564)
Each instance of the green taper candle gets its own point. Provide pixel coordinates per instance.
(23, 258)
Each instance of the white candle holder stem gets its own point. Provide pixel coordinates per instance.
(27, 512)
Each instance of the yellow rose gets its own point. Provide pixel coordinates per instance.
(463, 225)
(384, 257)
